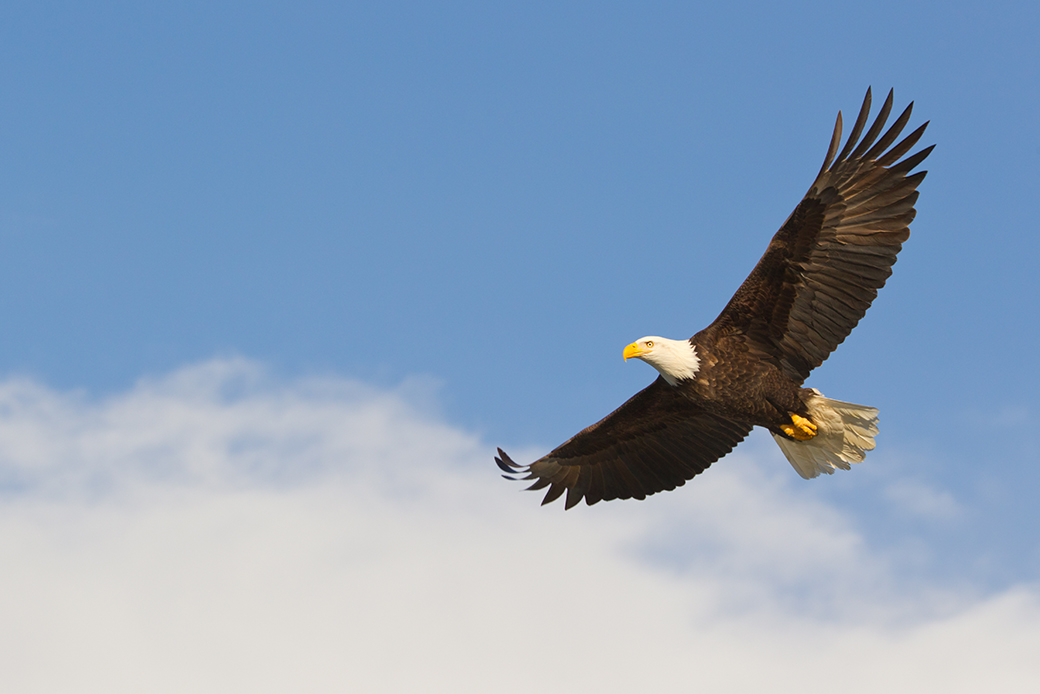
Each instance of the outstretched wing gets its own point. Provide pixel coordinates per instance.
(655, 441)
(824, 267)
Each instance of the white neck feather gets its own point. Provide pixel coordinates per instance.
(674, 359)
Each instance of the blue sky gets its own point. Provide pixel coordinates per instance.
(490, 201)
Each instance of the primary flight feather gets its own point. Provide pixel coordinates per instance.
(814, 283)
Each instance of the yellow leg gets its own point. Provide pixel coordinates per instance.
(801, 430)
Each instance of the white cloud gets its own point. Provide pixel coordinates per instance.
(218, 531)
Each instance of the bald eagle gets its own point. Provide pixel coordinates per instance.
(814, 283)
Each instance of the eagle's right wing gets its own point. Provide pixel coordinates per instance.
(654, 442)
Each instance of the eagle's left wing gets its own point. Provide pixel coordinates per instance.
(824, 267)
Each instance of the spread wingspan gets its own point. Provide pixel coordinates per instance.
(816, 280)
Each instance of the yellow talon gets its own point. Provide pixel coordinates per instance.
(802, 429)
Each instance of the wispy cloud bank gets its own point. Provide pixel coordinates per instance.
(217, 530)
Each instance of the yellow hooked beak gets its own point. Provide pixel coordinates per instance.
(633, 350)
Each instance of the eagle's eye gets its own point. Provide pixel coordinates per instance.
(649, 343)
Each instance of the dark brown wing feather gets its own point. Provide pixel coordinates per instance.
(824, 267)
(655, 441)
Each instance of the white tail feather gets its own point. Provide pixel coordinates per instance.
(845, 432)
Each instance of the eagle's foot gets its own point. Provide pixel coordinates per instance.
(801, 428)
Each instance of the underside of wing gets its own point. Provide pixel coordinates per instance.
(654, 442)
(824, 267)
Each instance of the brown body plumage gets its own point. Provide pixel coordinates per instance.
(817, 278)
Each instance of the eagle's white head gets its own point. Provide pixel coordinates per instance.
(674, 359)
